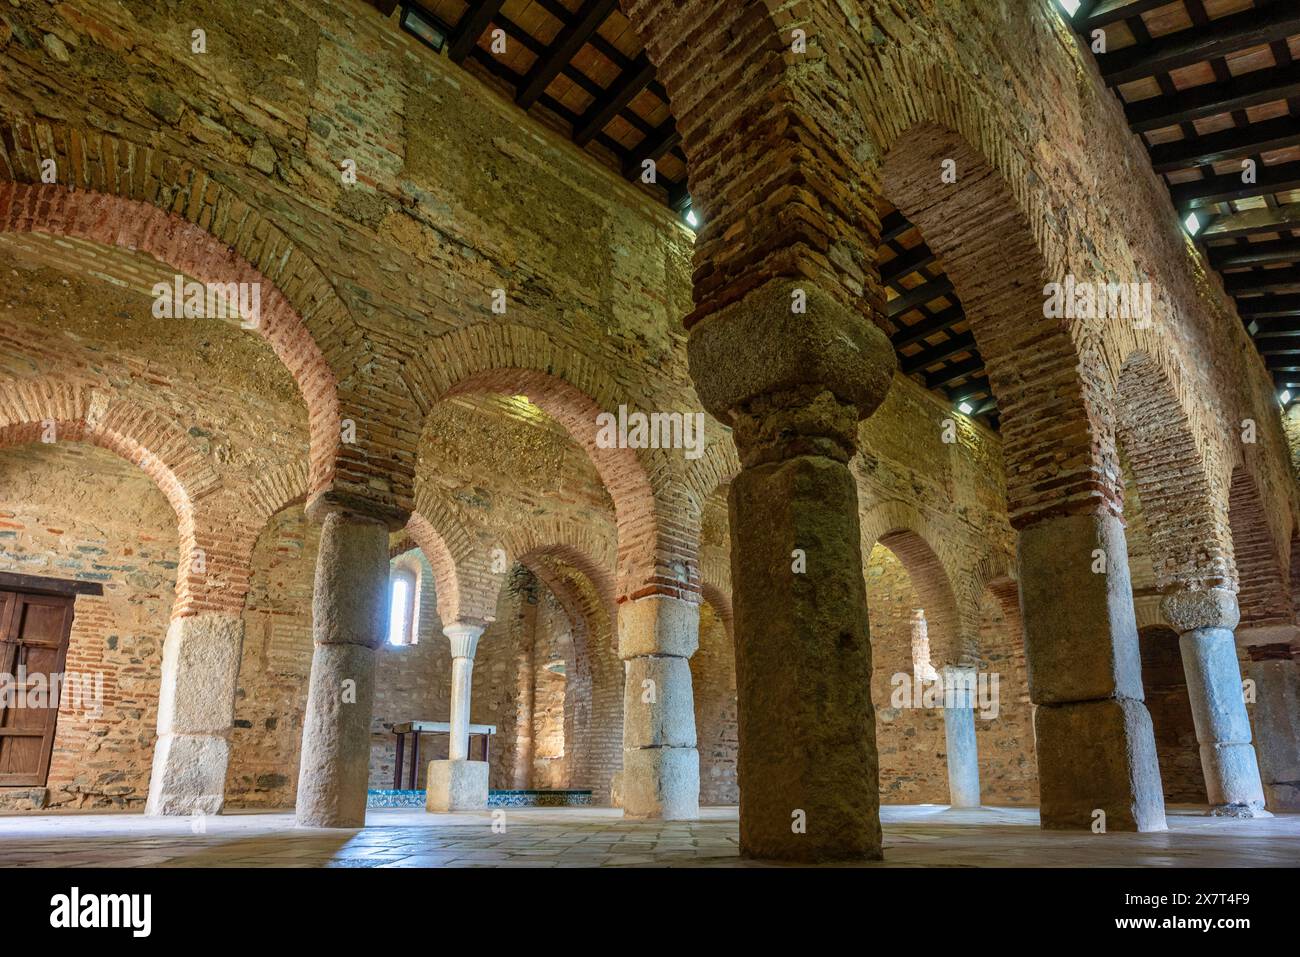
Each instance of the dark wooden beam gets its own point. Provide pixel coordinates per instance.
(1239, 143)
(1263, 280)
(953, 372)
(962, 342)
(1201, 44)
(893, 226)
(565, 46)
(1113, 11)
(652, 148)
(1223, 189)
(921, 294)
(40, 584)
(906, 263)
(619, 95)
(906, 335)
(1239, 93)
(471, 27)
(1255, 254)
(1269, 307)
(1253, 222)
(1277, 330)
(970, 389)
(386, 7)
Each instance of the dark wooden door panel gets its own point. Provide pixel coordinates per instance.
(34, 633)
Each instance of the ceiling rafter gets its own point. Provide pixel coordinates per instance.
(1249, 229)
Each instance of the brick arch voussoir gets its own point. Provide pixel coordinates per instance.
(656, 551)
(579, 546)
(117, 193)
(212, 573)
(1163, 441)
(1263, 579)
(996, 237)
(902, 529)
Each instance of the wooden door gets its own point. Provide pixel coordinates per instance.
(33, 641)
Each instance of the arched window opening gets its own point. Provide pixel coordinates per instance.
(922, 667)
(403, 607)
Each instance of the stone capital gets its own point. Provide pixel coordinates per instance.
(1210, 608)
(761, 346)
(356, 507)
(464, 638)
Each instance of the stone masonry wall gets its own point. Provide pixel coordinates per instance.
(76, 512)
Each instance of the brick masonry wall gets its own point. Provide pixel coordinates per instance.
(460, 194)
(75, 512)
(911, 741)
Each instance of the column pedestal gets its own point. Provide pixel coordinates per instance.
(349, 619)
(196, 710)
(1205, 621)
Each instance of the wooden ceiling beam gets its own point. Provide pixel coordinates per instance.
(1237, 143)
(1276, 330)
(651, 148)
(962, 342)
(1264, 280)
(563, 49)
(1222, 189)
(471, 27)
(905, 263)
(619, 95)
(1114, 11)
(1253, 222)
(945, 319)
(953, 372)
(1240, 93)
(1269, 307)
(1255, 254)
(1216, 39)
(921, 294)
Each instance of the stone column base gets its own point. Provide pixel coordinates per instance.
(1235, 766)
(1098, 756)
(661, 783)
(189, 775)
(456, 786)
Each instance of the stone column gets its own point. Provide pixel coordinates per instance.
(349, 620)
(657, 635)
(1205, 621)
(459, 784)
(196, 710)
(959, 730)
(1276, 674)
(1095, 744)
(793, 370)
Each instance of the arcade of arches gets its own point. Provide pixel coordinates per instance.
(387, 498)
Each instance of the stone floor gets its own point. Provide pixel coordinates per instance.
(915, 836)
